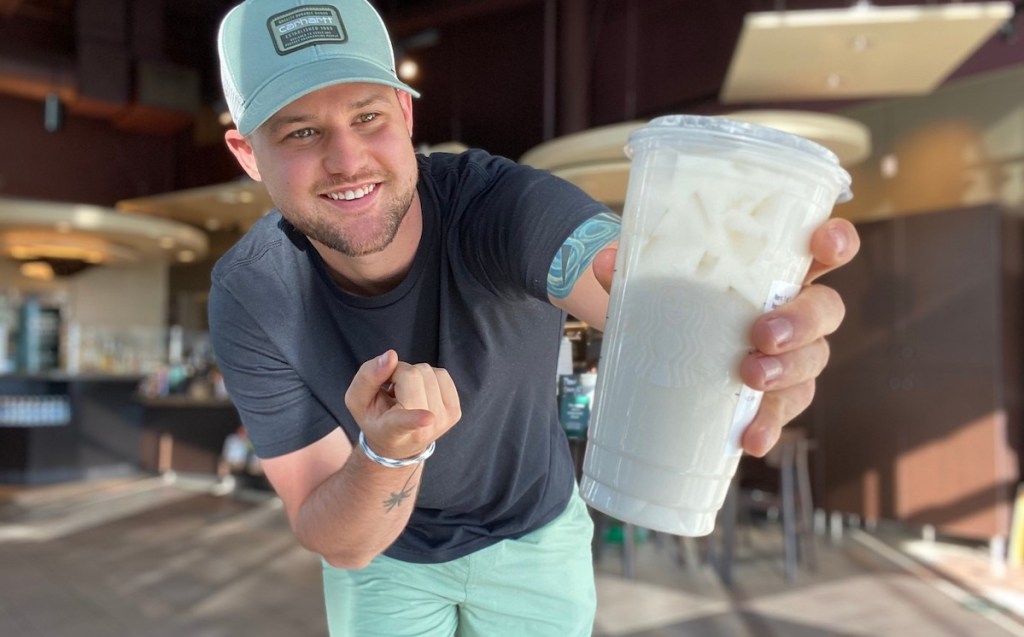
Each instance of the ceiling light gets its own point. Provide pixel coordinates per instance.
(237, 204)
(594, 160)
(38, 270)
(889, 166)
(875, 51)
(860, 43)
(32, 230)
(848, 138)
(31, 246)
(408, 70)
(235, 196)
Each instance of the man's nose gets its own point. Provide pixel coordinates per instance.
(345, 153)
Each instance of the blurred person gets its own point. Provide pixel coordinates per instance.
(392, 296)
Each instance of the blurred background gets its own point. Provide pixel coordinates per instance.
(117, 195)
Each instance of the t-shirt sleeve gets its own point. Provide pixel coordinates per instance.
(276, 407)
(515, 222)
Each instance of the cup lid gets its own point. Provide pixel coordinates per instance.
(725, 128)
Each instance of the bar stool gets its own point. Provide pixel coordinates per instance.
(793, 501)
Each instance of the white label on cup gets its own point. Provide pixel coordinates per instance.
(750, 399)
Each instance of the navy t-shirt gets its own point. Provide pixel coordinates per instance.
(289, 341)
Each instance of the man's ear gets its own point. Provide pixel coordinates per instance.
(242, 150)
(405, 102)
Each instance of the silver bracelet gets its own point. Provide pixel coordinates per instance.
(391, 462)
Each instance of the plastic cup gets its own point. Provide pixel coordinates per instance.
(716, 229)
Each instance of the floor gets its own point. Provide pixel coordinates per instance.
(150, 557)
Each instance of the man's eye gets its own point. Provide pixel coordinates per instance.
(302, 133)
(366, 118)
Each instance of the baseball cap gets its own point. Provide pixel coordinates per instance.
(273, 52)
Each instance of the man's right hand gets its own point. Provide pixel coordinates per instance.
(402, 408)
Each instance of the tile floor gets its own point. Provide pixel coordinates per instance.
(145, 557)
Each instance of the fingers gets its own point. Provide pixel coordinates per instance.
(777, 409)
(420, 404)
(430, 390)
(833, 244)
(365, 386)
(791, 353)
(815, 313)
(768, 372)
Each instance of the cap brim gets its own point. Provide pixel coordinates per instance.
(301, 80)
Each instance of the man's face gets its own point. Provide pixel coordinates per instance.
(339, 164)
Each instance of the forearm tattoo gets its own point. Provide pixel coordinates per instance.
(396, 499)
(578, 251)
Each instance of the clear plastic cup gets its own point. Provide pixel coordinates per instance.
(716, 229)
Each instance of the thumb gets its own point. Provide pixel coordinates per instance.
(368, 380)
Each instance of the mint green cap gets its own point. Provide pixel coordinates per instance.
(273, 52)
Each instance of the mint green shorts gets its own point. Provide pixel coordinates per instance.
(541, 585)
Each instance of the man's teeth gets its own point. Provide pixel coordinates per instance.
(349, 195)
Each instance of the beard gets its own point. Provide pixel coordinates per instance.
(361, 236)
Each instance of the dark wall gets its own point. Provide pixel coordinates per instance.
(917, 415)
(90, 161)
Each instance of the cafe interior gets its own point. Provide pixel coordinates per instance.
(894, 505)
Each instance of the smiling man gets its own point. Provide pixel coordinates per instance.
(390, 336)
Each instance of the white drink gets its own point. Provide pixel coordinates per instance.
(711, 238)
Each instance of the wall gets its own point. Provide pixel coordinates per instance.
(918, 414)
(91, 161)
(960, 146)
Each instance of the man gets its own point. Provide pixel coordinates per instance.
(391, 296)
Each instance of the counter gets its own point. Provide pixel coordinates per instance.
(62, 427)
(185, 434)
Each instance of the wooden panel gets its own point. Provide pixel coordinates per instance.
(912, 414)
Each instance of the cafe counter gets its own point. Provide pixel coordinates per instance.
(63, 427)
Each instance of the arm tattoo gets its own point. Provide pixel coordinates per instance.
(574, 256)
(396, 498)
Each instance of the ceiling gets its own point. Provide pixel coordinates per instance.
(505, 75)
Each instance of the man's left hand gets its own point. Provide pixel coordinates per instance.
(790, 345)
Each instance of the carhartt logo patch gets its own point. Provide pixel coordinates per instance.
(298, 28)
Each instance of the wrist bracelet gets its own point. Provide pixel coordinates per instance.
(391, 462)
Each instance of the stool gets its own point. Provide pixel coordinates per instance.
(790, 457)
(797, 507)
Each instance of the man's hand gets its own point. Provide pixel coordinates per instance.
(402, 408)
(791, 350)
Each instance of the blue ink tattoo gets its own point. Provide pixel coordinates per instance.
(578, 251)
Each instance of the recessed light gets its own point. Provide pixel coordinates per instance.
(408, 69)
(889, 165)
(860, 43)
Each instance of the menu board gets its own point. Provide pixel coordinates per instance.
(575, 393)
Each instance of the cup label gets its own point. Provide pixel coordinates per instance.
(750, 399)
